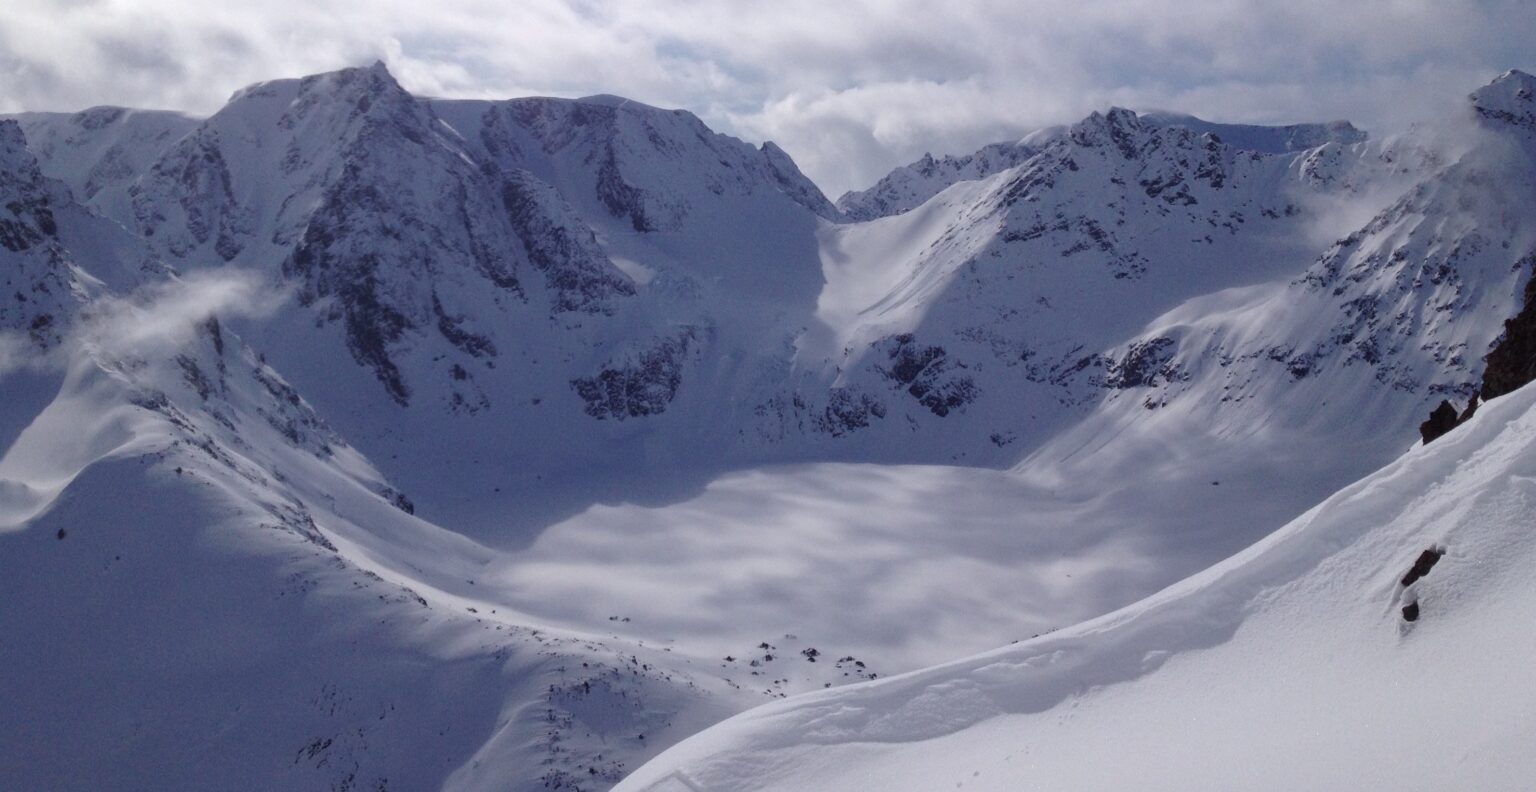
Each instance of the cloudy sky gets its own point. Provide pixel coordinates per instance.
(849, 88)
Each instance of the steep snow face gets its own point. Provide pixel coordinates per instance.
(100, 152)
(653, 169)
(910, 186)
(1265, 139)
(990, 311)
(404, 253)
(705, 212)
(1388, 321)
(1508, 102)
(41, 231)
(1381, 636)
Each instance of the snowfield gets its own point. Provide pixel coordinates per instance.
(1289, 666)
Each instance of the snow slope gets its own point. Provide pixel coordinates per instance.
(1292, 665)
(204, 581)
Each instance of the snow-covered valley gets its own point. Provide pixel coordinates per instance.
(358, 440)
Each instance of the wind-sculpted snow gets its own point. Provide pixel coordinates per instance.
(1313, 643)
(275, 608)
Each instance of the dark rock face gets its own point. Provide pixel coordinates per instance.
(1421, 566)
(1145, 364)
(372, 323)
(1441, 421)
(34, 267)
(1512, 361)
(27, 217)
(1509, 101)
(579, 273)
(925, 372)
(622, 198)
(847, 411)
(643, 385)
(452, 328)
(205, 196)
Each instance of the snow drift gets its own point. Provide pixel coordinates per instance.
(1330, 655)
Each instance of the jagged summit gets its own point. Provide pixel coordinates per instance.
(17, 164)
(40, 285)
(1281, 139)
(1509, 100)
(911, 185)
(376, 73)
(620, 102)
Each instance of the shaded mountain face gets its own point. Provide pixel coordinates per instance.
(179, 523)
(44, 234)
(37, 276)
(530, 278)
(100, 152)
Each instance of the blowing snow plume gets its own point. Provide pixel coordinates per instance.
(89, 419)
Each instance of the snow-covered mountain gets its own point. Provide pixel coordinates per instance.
(587, 426)
(912, 185)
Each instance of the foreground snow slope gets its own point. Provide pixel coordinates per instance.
(203, 581)
(1290, 666)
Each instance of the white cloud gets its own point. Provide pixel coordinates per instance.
(164, 315)
(849, 88)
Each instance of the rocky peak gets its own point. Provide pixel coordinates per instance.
(1285, 139)
(35, 280)
(794, 183)
(369, 94)
(1509, 101)
(1119, 127)
(909, 186)
(26, 216)
(642, 164)
(17, 165)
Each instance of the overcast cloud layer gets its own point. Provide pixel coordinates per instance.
(850, 88)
